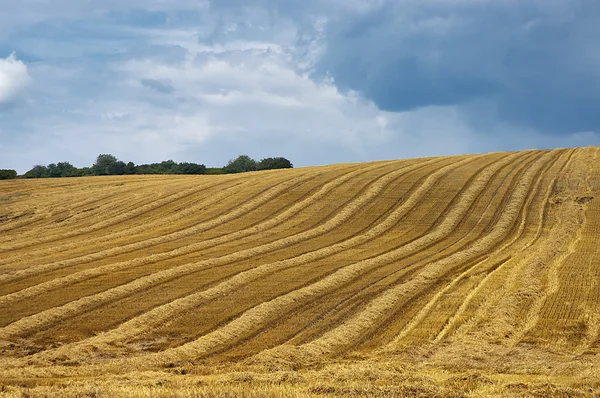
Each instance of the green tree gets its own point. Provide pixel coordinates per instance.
(7, 174)
(129, 168)
(53, 170)
(118, 168)
(191, 168)
(84, 171)
(241, 164)
(60, 169)
(167, 167)
(274, 163)
(108, 165)
(215, 170)
(144, 169)
(38, 171)
(66, 169)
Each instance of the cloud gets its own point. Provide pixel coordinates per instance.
(14, 78)
(163, 86)
(316, 81)
(537, 61)
(221, 99)
(255, 101)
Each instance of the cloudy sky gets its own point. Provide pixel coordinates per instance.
(316, 81)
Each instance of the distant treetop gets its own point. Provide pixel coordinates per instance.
(274, 163)
(7, 174)
(107, 164)
(240, 164)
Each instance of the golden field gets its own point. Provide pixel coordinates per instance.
(475, 275)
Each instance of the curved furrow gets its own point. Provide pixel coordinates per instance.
(258, 315)
(243, 278)
(26, 200)
(54, 198)
(226, 194)
(484, 267)
(118, 220)
(567, 279)
(376, 310)
(192, 248)
(51, 204)
(384, 328)
(313, 215)
(493, 267)
(65, 211)
(409, 308)
(14, 269)
(19, 220)
(44, 318)
(400, 271)
(332, 308)
(165, 291)
(505, 279)
(211, 207)
(159, 296)
(459, 315)
(40, 246)
(263, 197)
(117, 190)
(183, 210)
(590, 344)
(111, 279)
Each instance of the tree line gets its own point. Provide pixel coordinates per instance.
(107, 164)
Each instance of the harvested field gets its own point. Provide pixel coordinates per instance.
(474, 275)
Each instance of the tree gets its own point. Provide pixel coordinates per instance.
(108, 165)
(118, 168)
(84, 171)
(61, 169)
(215, 170)
(191, 168)
(53, 170)
(129, 168)
(274, 163)
(145, 169)
(38, 171)
(66, 169)
(167, 167)
(7, 174)
(240, 164)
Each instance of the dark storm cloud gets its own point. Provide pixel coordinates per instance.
(538, 62)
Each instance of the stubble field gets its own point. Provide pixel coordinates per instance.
(475, 275)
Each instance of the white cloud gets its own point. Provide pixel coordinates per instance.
(14, 78)
(259, 93)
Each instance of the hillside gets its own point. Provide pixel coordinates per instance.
(459, 275)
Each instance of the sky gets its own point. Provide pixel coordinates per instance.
(315, 81)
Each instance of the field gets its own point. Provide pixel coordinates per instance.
(475, 275)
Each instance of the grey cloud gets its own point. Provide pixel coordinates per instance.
(162, 86)
(537, 61)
